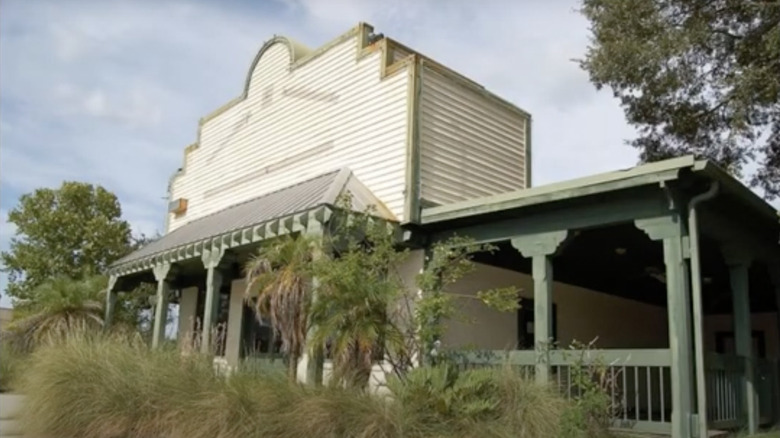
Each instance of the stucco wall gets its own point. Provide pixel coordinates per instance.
(583, 315)
(765, 322)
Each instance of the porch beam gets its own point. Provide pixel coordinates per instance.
(541, 248)
(738, 260)
(671, 231)
(621, 208)
(161, 272)
(211, 259)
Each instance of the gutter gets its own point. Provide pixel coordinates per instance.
(698, 329)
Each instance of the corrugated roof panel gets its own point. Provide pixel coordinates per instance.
(289, 200)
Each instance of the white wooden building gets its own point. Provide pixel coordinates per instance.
(619, 256)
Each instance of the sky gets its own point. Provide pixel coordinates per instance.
(110, 92)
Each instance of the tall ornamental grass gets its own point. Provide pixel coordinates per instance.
(98, 386)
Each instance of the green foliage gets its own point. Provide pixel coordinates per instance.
(278, 282)
(361, 310)
(61, 305)
(694, 76)
(593, 384)
(448, 262)
(449, 395)
(73, 231)
(95, 386)
(357, 286)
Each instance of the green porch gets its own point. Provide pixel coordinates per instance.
(692, 251)
(680, 237)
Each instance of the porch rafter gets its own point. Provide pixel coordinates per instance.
(299, 222)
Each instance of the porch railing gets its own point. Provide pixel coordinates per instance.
(725, 403)
(637, 381)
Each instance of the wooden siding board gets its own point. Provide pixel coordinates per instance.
(470, 146)
(366, 125)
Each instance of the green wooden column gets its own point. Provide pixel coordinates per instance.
(670, 229)
(541, 248)
(161, 273)
(738, 261)
(110, 301)
(211, 259)
(315, 355)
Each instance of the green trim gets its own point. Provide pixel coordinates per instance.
(532, 245)
(412, 210)
(528, 151)
(735, 187)
(648, 174)
(297, 222)
(161, 273)
(211, 260)
(622, 207)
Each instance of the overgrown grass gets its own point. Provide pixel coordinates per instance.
(105, 387)
(10, 367)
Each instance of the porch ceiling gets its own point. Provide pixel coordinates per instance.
(622, 261)
(602, 210)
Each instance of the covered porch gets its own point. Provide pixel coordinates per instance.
(672, 268)
(198, 268)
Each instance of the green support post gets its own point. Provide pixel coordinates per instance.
(211, 259)
(315, 355)
(671, 231)
(161, 272)
(541, 248)
(110, 301)
(738, 261)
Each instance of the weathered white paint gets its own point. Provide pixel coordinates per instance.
(765, 322)
(300, 120)
(471, 145)
(583, 315)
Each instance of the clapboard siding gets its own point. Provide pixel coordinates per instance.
(471, 145)
(333, 111)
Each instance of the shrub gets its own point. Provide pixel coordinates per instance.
(106, 386)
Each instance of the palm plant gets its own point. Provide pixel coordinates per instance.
(62, 305)
(278, 284)
(358, 286)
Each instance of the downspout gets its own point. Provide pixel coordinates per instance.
(698, 329)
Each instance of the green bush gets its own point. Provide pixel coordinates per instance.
(97, 386)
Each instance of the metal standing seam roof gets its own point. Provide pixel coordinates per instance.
(297, 198)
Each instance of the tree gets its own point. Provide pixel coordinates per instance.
(695, 77)
(366, 313)
(73, 231)
(343, 290)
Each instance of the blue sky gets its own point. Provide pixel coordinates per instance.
(110, 91)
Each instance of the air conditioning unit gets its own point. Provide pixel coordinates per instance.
(178, 206)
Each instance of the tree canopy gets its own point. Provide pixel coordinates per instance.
(695, 77)
(72, 231)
